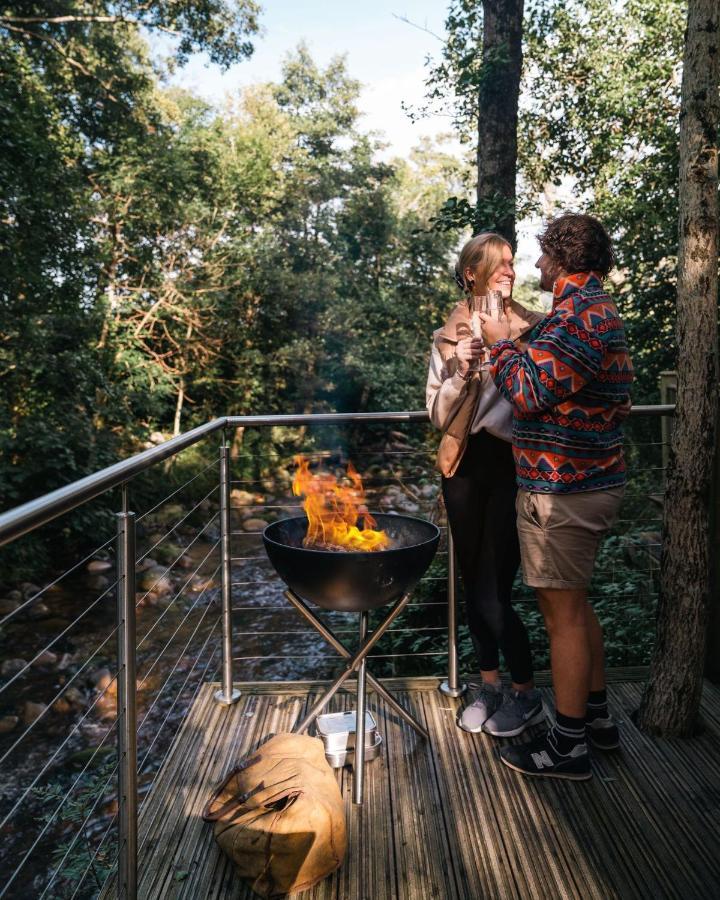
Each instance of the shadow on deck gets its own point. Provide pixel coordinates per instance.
(447, 820)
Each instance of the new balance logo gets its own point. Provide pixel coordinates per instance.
(542, 760)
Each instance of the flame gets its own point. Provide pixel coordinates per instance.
(333, 510)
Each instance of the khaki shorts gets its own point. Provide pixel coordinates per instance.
(560, 534)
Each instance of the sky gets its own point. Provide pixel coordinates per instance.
(387, 55)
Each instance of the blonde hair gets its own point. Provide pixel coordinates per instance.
(484, 250)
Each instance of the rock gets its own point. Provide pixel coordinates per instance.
(28, 589)
(8, 606)
(172, 512)
(15, 595)
(46, 658)
(186, 562)
(147, 563)
(254, 524)
(8, 724)
(106, 706)
(32, 711)
(62, 706)
(75, 696)
(83, 757)
(99, 565)
(11, 667)
(201, 583)
(66, 660)
(38, 610)
(148, 599)
(157, 437)
(103, 679)
(242, 498)
(98, 582)
(168, 553)
(156, 580)
(428, 491)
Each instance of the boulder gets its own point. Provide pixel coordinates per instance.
(7, 606)
(254, 524)
(167, 553)
(11, 667)
(98, 582)
(241, 498)
(66, 660)
(32, 711)
(15, 595)
(46, 658)
(157, 437)
(38, 610)
(28, 589)
(8, 724)
(95, 566)
(103, 679)
(75, 696)
(155, 579)
(62, 706)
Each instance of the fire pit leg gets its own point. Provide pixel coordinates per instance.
(397, 707)
(352, 664)
(359, 768)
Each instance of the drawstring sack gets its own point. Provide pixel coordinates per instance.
(279, 816)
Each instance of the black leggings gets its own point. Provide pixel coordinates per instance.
(480, 503)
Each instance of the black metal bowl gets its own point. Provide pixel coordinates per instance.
(352, 580)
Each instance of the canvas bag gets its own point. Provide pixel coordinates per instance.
(279, 816)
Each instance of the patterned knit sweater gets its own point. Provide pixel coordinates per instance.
(569, 391)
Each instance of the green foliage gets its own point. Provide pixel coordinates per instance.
(604, 88)
(165, 261)
(76, 856)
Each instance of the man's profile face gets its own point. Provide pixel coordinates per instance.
(549, 271)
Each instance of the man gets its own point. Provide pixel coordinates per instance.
(569, 389)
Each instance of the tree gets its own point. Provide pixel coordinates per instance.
(672, 698)
(479, 73)
(601, 114)
(498, 94)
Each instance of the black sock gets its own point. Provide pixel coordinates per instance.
(596, 705)
(567, 733)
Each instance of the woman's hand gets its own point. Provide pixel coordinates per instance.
(494, 331)
(468, 351)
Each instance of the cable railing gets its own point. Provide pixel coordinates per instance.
(185, 596)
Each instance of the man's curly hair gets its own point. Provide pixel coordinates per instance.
(578, 243)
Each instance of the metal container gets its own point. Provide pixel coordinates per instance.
(339, 758)
(337, 731)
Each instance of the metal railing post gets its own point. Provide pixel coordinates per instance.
(227, 695)
(127, 709)
(452, 687)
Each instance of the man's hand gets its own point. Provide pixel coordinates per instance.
(494, 331)
(468, 351)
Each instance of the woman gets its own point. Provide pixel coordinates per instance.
(479, 488)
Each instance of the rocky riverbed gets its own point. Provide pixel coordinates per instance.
(58, 695)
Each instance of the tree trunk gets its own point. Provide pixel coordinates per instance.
(498, 112)
(178, 407)
(672, 698)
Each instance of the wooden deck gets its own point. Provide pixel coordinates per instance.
(447, 820)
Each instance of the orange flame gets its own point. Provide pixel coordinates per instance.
(333, 510)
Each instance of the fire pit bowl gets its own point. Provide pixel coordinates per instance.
(352, 580)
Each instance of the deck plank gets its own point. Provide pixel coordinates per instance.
(444, 820)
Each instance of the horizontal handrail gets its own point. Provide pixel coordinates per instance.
(19, 521)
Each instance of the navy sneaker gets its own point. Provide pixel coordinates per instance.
(520, 710)
(540, 758)
(602, 734)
